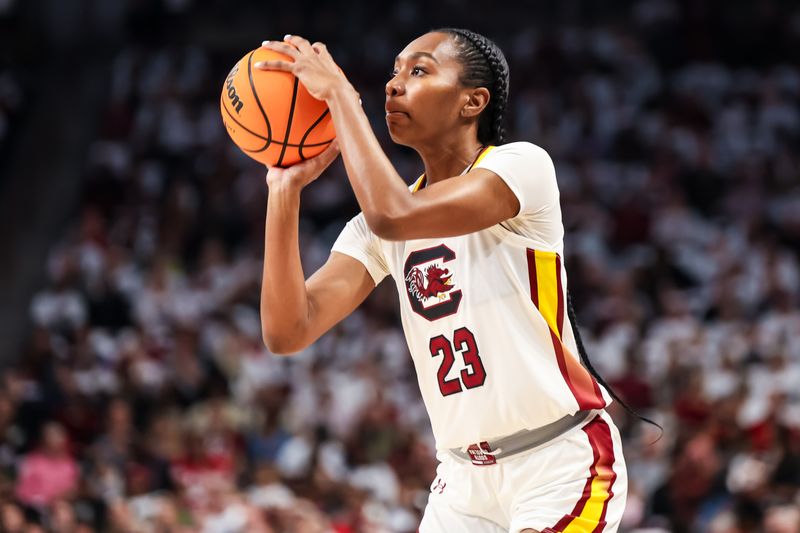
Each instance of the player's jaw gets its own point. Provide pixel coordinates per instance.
(422, 96)
(425, 118)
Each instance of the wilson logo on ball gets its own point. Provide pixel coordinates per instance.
(236, 103)
(270, 115)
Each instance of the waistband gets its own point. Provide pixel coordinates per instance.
(488, 452)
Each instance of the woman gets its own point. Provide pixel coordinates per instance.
(475, 248)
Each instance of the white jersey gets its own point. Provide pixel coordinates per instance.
(484, 313)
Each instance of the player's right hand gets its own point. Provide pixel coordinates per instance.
(312, 64)
(299, 175)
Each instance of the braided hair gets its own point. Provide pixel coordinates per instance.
(588, 364)
(484, 66)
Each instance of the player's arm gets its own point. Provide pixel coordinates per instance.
(456, 206)
(460, 205)
(296, 312)
(328, 296)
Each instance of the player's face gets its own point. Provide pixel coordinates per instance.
(424, 97)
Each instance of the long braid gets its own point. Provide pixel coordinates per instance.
(484, 66)
(588, 364)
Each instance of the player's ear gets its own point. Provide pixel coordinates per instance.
(475, 101)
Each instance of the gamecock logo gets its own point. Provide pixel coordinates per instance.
(438, 282)
(429, 284)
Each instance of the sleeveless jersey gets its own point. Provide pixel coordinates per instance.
(484, 313)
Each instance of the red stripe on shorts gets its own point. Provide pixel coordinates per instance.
(606, 445)
(603, 460)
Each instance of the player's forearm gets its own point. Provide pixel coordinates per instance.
(379, 189)
(284, 301)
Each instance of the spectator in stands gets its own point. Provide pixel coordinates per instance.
(49, 473)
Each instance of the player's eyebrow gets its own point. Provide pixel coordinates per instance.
(419, 54)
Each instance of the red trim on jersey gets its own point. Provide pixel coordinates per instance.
(532, 277)
(603, 467)
(586, 399)
(562, 363)
(580, 382)
(560, 307)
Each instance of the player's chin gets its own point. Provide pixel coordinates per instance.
(399, 133)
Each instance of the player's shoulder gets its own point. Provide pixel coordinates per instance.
(520, 148)
(520, 156)
(358, 221)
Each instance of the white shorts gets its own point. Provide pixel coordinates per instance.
(574, 483)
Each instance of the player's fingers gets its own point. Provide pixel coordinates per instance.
(321, 49)
(279, 46)
(330, 153)
(310, 169)
(286, 66)
(324, 160)
(302, 44)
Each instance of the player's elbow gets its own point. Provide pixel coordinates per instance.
(281, 342)
(390, 220)
(386, 226)
(280, 345)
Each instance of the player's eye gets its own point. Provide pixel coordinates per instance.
(416, 70)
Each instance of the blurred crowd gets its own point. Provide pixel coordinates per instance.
(12, 91)
(12, 105)
(11, 101)
(146, 401)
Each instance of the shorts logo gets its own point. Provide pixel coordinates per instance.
(430, 286)
(481, 454)
(439, 486)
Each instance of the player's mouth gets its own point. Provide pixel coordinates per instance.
(395, 112)
(396, 117)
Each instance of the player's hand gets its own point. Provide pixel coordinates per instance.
(299, 175)
(313, 65)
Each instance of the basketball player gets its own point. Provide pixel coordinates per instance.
(475, 248)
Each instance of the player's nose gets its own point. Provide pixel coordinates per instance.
(394, 87)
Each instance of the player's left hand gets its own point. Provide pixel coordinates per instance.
(299, 175)
(313, 65)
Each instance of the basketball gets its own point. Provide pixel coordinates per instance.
(270, 115)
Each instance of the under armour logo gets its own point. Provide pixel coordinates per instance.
(439, 486)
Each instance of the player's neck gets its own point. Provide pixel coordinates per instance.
(449, 158)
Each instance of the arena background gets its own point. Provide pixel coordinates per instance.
(136, 392)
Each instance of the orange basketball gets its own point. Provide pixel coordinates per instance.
(270, 115)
